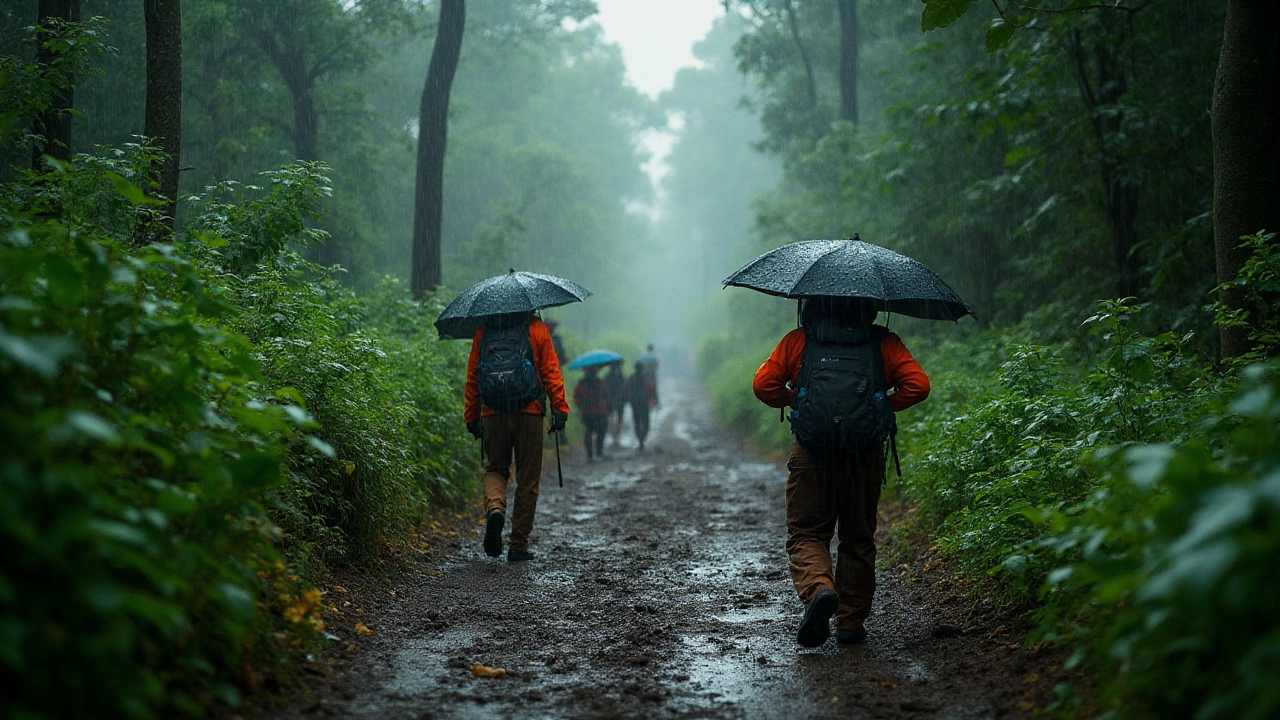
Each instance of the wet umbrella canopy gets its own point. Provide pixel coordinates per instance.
(515, 292)
(594, 358)
(852, 269)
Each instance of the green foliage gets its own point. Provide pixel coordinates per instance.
(727, 368)
(28, 89)
(141, 447)
(1172, 567)
(941, 13)
(1019, 445)
(183, 417)
(1259, 282)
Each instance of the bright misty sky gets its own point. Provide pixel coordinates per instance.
(656, 36)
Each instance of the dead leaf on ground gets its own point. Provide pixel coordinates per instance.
(484, 671)
(888, 685)
(362, 629)
(339, 588)
(1027, 706)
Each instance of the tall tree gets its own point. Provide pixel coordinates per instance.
(1101, 67)
(310, 42)
(164, 92)
(433, 130)
(1246, 144)
(849, 37)
(53, 125)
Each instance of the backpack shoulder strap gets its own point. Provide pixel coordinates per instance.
(878, 334)
(812, 347)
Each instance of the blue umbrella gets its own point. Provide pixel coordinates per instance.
(592, 358)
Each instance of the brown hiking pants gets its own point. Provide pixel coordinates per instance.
(520, 435)
(826, 494)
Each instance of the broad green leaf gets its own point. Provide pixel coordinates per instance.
(941, 13)
(1015, 156)
(131, 192)
(66, 282)
(93, 426)
(999, 33)
(321, 447)
(256, 470)
(40, 355)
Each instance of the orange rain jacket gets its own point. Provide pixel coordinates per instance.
(591, 395)
(544, 359)
(906, 379)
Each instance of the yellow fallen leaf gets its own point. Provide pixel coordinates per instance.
(362, 629)
(484, 671)
(888, 685)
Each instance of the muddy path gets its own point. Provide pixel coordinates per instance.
(660, 590)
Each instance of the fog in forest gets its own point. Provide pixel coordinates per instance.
(228, 227)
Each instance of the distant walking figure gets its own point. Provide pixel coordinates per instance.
(616, 395)
(640, 395)
(844, 379)
(512, 364)
(649, 361)
(590, 397)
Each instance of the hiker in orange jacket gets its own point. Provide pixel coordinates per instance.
(591, 397)
(835, 491)
(515, 432)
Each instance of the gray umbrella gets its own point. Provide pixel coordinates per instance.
(515, 292)
(852, 269)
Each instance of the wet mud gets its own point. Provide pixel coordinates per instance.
(659, 590)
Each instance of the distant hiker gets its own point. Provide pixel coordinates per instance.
(649, 361)
(556, 341)
(844, 379)
(641, 397)
(590, 397)
(615, 391)
(511, 368)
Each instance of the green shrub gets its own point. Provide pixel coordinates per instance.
(1258, 283)
(1171, 592)
(727, 369)
(181, 419)
(140, 445)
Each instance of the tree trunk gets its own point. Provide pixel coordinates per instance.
(164, 93)
(850, 34)
(281, 45)
(433, 128)
(811, 86)
(55, 124)
(1103, 83)
(306, 123)
(1246, 144)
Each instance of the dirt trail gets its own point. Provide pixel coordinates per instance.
(660, 591)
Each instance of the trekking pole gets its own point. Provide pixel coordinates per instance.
(559, 470)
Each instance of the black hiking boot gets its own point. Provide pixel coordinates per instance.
(493, 533)
(514, 555)
(851, 636)
(815, 628)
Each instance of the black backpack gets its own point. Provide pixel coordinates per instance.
(842, 402)
(506, 376)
